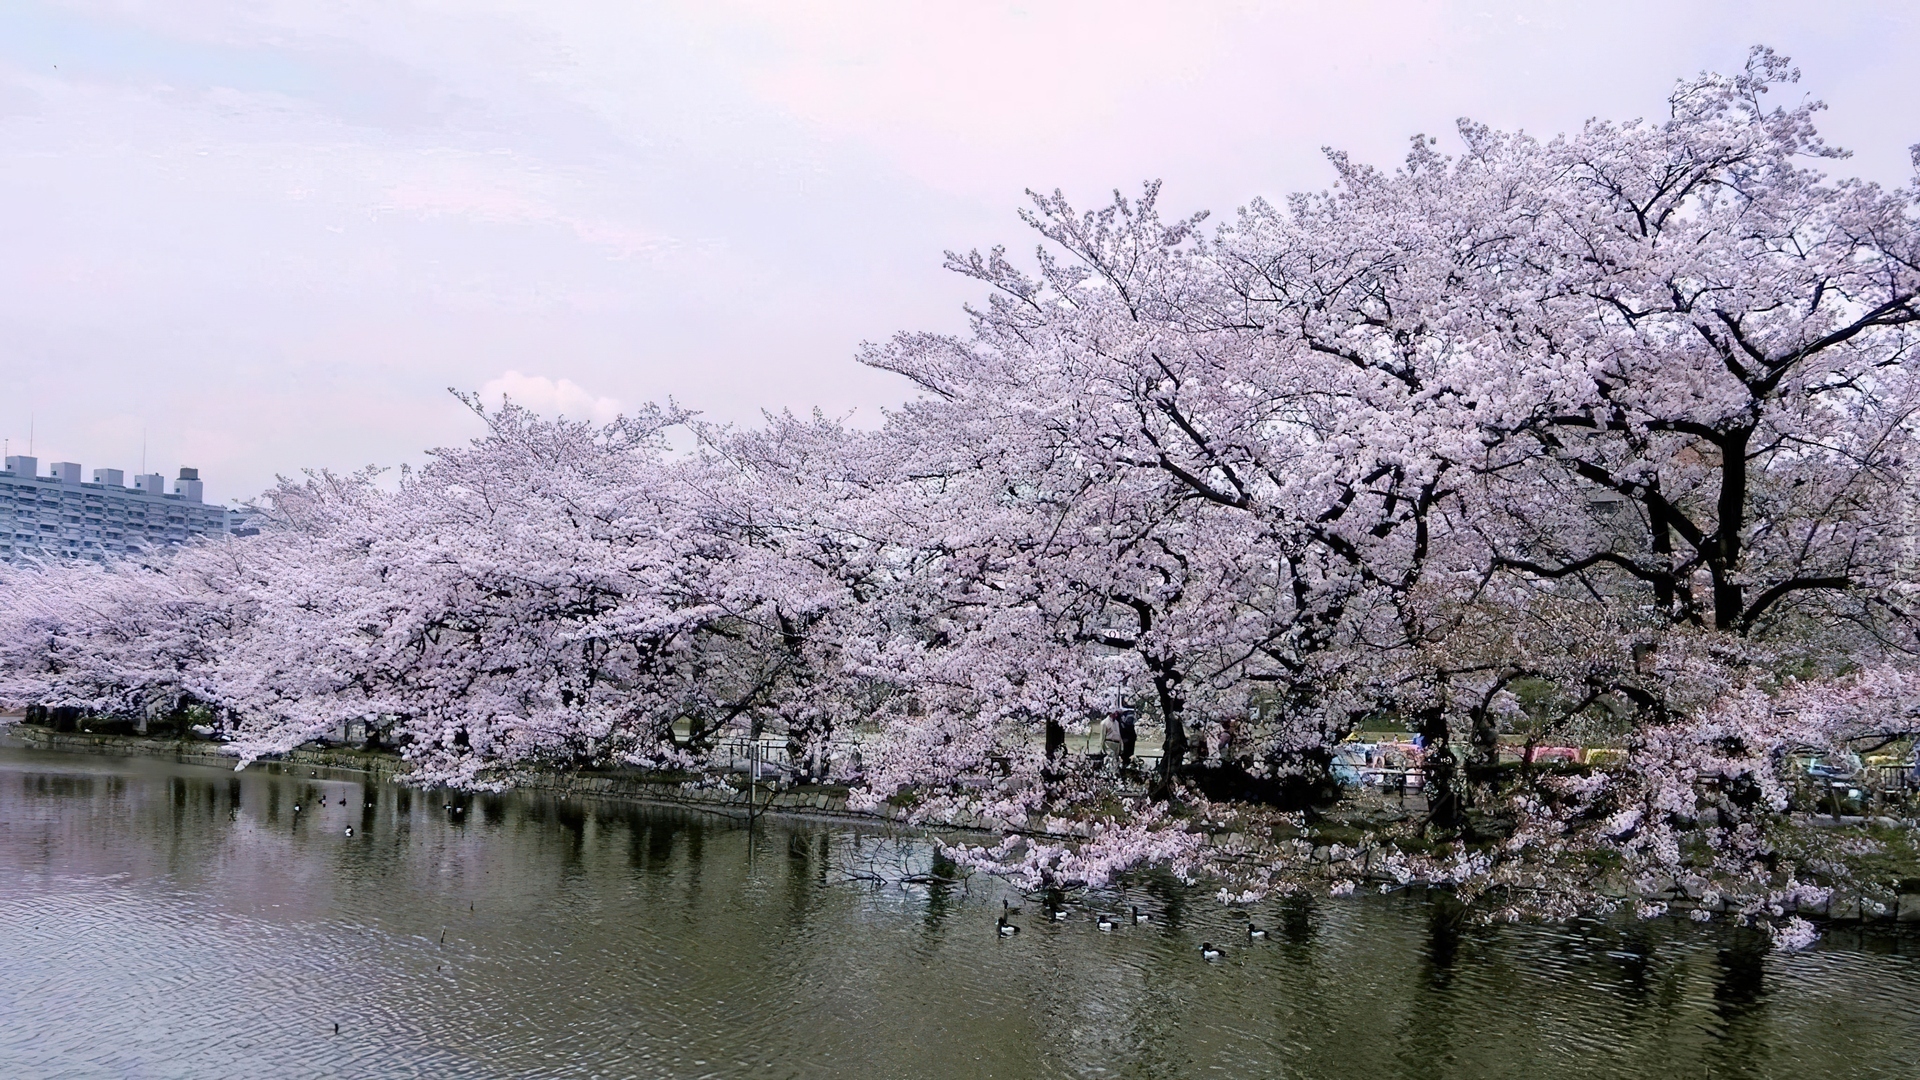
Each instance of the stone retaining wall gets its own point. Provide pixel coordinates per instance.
(196, 752)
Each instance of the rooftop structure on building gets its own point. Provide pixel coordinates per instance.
(60, 515)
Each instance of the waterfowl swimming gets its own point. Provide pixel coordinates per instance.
(1139, 918)
(349, 830)
(1104, 922)
(1255, 933)
(1208, 951)
(1060, 914)
(1007, 929)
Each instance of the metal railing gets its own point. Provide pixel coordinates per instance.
(1900, 778)
(1870, 790)
(770, 757)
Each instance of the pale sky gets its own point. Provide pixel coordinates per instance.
(268, 236)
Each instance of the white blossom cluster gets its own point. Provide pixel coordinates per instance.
(1610, 436)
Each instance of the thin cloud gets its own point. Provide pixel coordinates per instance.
(550, 397)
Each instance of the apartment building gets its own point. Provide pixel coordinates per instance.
(60, 515)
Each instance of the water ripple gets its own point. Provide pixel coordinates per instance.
(160, 921)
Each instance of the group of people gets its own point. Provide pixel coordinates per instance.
(1117, 737)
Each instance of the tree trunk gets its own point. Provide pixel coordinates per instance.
(1483, 760)
(1664, 592)
(1173, 753)
(1729, 600)
(1444, 809)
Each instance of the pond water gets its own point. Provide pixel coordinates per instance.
(167, 920)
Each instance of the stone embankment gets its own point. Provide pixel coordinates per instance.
(196, 752)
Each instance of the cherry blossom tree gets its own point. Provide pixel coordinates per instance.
(1612, 431)
(1556, 411)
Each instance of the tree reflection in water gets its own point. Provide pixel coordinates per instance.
(155, 918)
